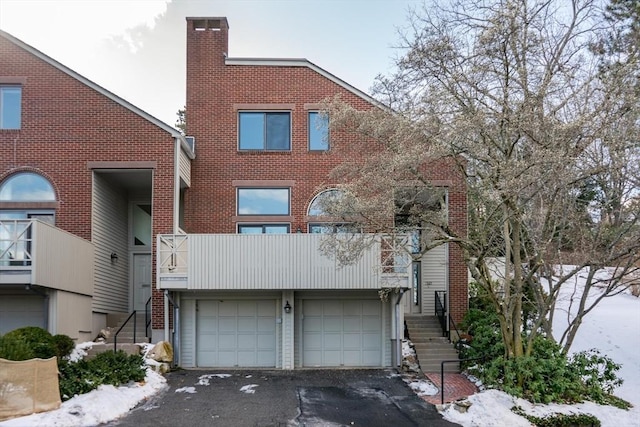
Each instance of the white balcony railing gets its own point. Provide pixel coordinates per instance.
(36, 253)
(282, 261)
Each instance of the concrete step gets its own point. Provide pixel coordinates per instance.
(430, 346)
(97, 348)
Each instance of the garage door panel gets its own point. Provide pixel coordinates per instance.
(233, 334)
(332, 340)
(332, 324)
(227, 308)
(17, 311)
(332, 310)
(371, 323)
(352, 308)
(247, 324)
(352, 324)
(371, 308)
(341, 333)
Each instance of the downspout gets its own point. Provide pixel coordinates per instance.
(399, 329)
(176, 222)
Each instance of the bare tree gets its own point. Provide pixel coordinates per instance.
(512, 94)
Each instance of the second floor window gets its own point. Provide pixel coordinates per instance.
(268, 131)
(10, 107)
(263, 201)
(318, 131)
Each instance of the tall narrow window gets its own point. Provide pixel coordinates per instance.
(10, 107)
(264, 131)
(318, 131)
(141, 224)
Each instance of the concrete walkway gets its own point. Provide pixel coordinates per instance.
(456, 386)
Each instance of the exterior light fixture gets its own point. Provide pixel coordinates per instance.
(114, 257)
(287, 307)
(298, 230)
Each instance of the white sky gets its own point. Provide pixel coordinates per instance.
(136, 48)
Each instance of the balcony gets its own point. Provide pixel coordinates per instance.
(36, 253)
(275, 262)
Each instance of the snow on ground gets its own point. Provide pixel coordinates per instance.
(613, 327)
(99, 406)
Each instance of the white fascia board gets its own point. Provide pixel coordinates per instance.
(126, 104)
(302, 62)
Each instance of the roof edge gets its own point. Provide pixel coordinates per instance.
(303, 62)
(123, 102)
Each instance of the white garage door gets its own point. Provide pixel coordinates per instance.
(236, 333)
(342, 333)
(18, 311)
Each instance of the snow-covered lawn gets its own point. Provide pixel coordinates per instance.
(613, 328)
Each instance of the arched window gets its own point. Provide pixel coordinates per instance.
(26, 187)
(321, 206)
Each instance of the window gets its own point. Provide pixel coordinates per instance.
(26, 187)
(10, 107)
(318, 131)
(263, 201)
(263, 228)
(326, 202)
(141, 216)
(265, 131)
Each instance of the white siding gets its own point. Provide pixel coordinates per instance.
(288, 261)
(109, 234)
(185, 168)
(62, 260)
(434, 277)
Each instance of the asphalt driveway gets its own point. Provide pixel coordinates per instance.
(371, 397)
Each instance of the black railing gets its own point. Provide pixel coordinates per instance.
(147, 318)
(441, 311)
(115, 337)
(455, 328)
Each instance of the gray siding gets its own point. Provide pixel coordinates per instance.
(434, 276)
(109, 234)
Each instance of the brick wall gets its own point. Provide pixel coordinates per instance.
(213, 89)
(66, 124)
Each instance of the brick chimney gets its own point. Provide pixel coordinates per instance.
(207, 47)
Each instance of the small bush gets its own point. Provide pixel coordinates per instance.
(560, 420)
(63, 345)
(13, 348)
(110, 367)
(39, 341)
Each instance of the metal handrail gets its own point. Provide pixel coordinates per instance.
(115, 337)
(147, 317)
(455, 328)
(441, 311)
(442, 372)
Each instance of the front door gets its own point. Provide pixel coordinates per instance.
(141, 280)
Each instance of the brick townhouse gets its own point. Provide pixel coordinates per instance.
(228, 217)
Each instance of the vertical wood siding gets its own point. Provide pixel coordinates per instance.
(288, 261)
(185, 168)
(62, 260)
(109, 234)
(434, 277)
